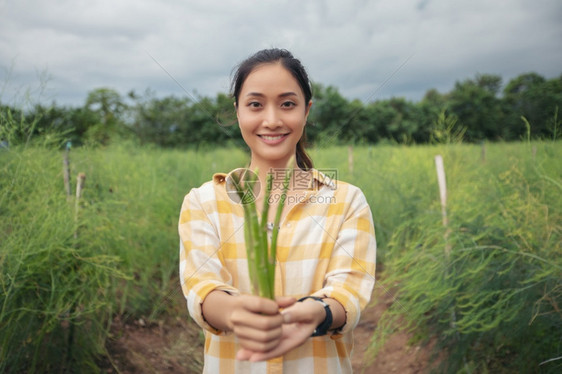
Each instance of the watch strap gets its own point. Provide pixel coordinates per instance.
(324, 326)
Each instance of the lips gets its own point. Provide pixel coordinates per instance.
(273, 138)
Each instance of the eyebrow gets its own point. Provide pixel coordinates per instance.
(284, 94)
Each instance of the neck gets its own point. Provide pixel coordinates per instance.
(277, 168)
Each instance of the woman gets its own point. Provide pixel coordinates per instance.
(326, 245)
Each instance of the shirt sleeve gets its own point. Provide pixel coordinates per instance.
(201, 270)
(351, 272)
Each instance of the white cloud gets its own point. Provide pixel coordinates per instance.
(354, 45)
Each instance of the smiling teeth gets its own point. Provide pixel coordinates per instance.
(266, 137)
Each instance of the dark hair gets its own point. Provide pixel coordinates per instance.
(294, 66)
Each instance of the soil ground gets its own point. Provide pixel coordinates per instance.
(175, 345)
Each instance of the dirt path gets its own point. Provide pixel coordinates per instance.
(176, 346)
(397, 356)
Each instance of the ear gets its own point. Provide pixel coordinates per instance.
(307, 112)
(236, 110)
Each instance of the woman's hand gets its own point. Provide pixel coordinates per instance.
(256, 322)
(301, 319)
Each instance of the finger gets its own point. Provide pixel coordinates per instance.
(294, 337)
(244, 354)
(257, 335)
(285, 301)
(261, 305)
(256, 321)
(305, 312)
(258, 347)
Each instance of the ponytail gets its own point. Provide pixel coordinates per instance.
(303, 159)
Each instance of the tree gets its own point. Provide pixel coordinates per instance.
(330, 116)
(476, 105)
(535, 98)
(429, 110)
(178, 122)
(107, 108)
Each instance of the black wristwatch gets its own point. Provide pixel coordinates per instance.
(324, 326)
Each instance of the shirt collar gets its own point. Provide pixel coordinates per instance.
(318, 179)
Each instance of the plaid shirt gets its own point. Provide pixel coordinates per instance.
(326, 247)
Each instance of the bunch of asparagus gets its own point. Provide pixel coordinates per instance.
(260, 253)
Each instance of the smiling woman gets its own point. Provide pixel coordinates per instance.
(299, 76)
(271, 113)
(325, 257)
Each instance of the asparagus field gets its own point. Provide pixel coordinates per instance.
(479, 271)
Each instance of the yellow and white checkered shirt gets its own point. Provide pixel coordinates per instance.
(326, 247)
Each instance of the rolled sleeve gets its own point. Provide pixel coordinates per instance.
(201, 269)
(351, 272)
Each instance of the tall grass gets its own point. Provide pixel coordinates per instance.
(493, 304)
(55, 300)
(63, 276)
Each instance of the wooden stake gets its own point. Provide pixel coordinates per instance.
(79, 186)
(66, 173)
(443, 197)
(442, 187)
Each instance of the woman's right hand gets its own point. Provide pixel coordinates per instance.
(256, 321)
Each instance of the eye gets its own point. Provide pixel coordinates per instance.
(288, 104)
(254, 104)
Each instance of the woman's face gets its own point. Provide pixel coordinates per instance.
(271, 114)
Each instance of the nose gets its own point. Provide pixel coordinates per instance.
(271, 118)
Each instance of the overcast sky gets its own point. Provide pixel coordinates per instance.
(62, 49)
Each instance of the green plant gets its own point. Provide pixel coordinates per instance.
(446, 130)
(56, 289)
(261, 255)
(493, 303)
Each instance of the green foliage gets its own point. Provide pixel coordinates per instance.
(492, 304)
(175, 122)
(479, 104)
(18, 129)
(55, 288)
(554, 125)
(65, 275)
(533, 97)
(487, 287)
(478, 108)
(107, 108)
(446, 131)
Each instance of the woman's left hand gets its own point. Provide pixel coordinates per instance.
(300, 321)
